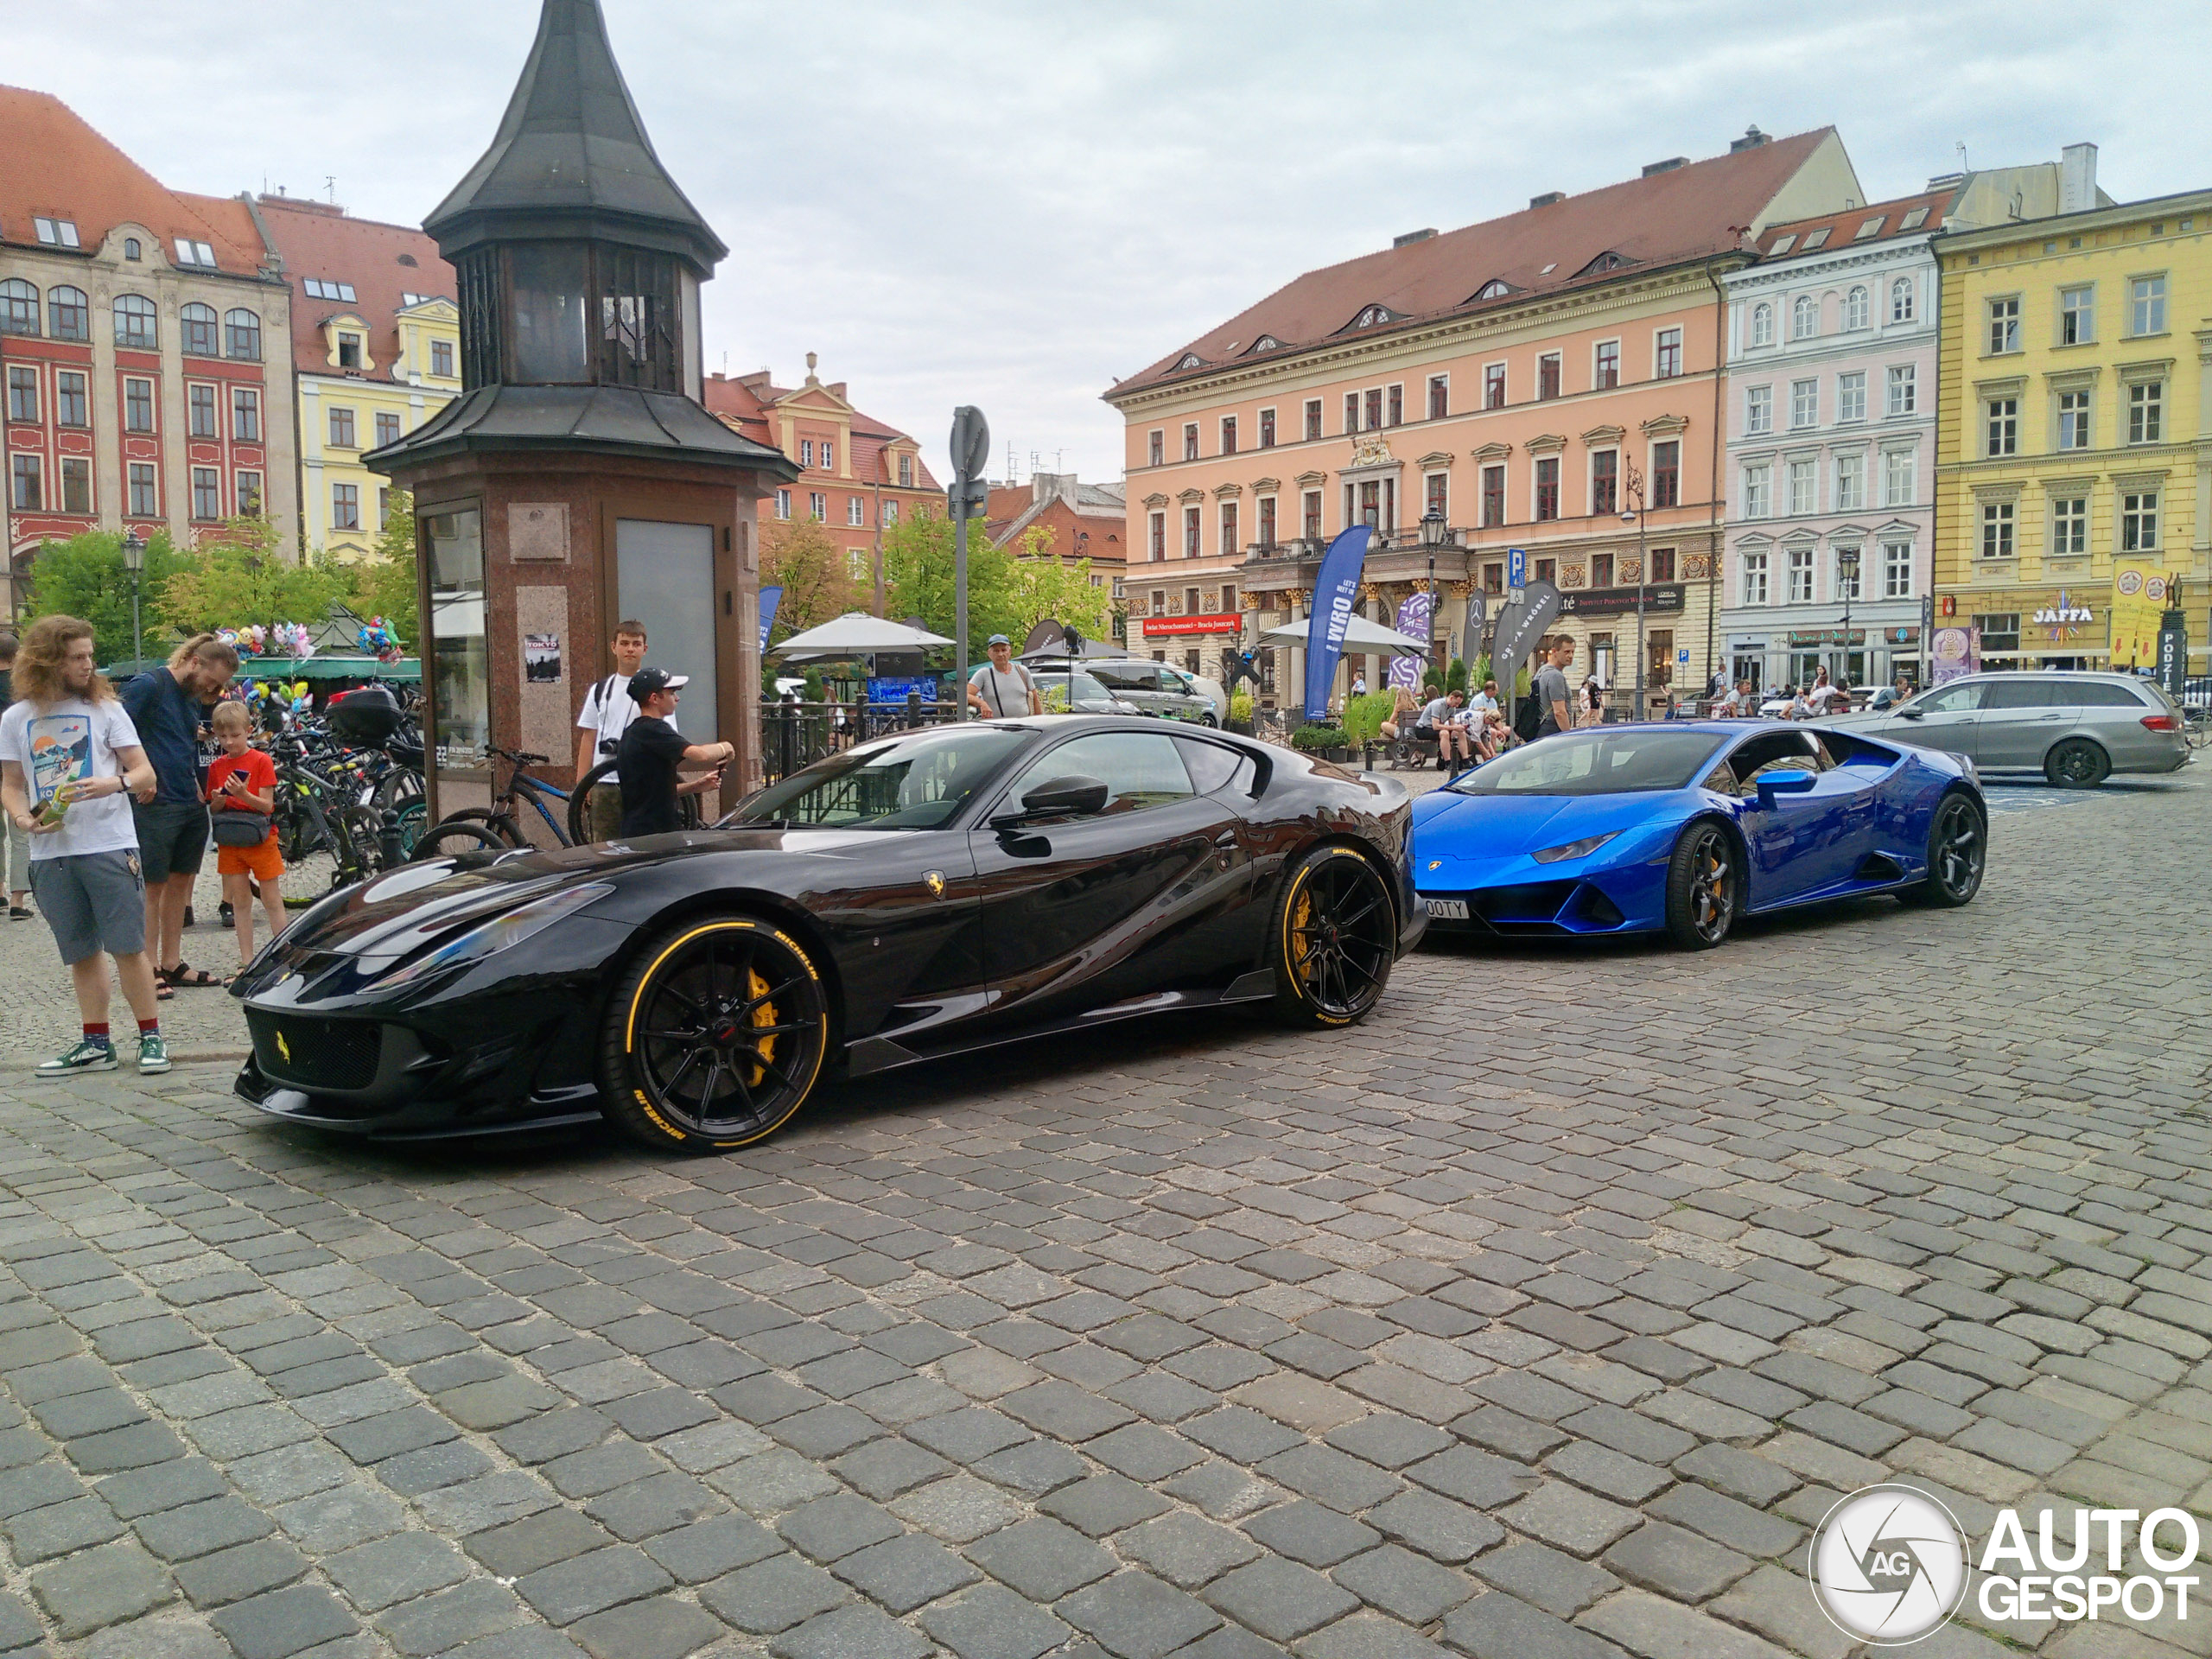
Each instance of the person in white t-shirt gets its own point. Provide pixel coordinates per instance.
(608, 711)
(70, 761)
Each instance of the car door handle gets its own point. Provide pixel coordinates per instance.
(1226, 838)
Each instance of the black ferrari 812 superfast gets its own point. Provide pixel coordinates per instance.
(938, 890)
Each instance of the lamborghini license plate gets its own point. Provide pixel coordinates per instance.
(1448, 910)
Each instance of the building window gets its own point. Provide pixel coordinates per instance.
(2139, 522)
(817, 506)
(1351, 413)
(1267, 429)
(135, 325)
(76, 484)
(344, 506)
(806, 452)
(1229, 543)
(1435, 499)
(1228, 596)
(68, 313)
(1804, 317)
(1601, 569)
(23, 394)
(137, 405)
(1754, 578)
(907, 471)
(1996, 529)
(856, 512)
(2003, 426)
(200, 412)
(249, 494)
(1762, 324)
(1313, 419)
(1851, 396)
(1662, 564)
(1440, 397)
(145, 500)
(1494, 577)
(2146, 305)
(349, 351)
(1759, 409)
(2000, 632)
(783, 504)
(441, 358)
(1605, 481)
(245, 415)
(2004, 326)
(1547, 488)
(1903, 390)
(1190, 549)
(1267, 521)
(1804, 402)
(1802, 492)
(1897, 569)
(1548, 570)
(1758, 498)
(1669, 353)
(71, 406)
(1311, 511)
(1493, 495)
(341, 429)
(1667, 474)
(2070, 526)
(1606, 374)
(891, 515)
(18, 307)
(26, 490)
(1190, 441)
(130, 249)
(1155, 449)
(1901, 298)
(1372, 411)
(1160, 602)
(207, 493)
(1850, 483)
(387, 428)
(1494, 387)
(1228, 435)
(242, 336)
(1848, 572)
(1547, 376)
(1397, 401)
(828, 455)
(1158, 546)
(2146, 401)
(1897, 478)
(2077, 315)
(2074, 420)
(1855, 310)
(1800, 575)
(196, 323)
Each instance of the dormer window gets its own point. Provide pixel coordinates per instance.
(131, 247)
(1372, 315)
(1495, 288)
(1872, 227)
(319, 289)
(57, 232)
(349, 351)
(189, 252)
(1817, 239)
(1190, 360)
(1267, 343)
(1604, 262)
(1783, 244)
(1913, 220)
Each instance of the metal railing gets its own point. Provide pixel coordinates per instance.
(797, 735)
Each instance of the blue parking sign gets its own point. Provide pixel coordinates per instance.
(1517, 567)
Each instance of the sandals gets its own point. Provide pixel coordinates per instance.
(185, 975)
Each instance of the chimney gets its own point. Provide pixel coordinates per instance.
(1667, 166)
(1548, 198)
(2077, 178)
(1411, 237)
(1752, 139)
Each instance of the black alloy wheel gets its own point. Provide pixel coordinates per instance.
(1705, 887)
(2077, 764)
(714, 1036)
(1958, 852)
(1336, 936)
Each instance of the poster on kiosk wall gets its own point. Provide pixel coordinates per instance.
(1956, 653)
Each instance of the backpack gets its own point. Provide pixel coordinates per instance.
(1529, 717)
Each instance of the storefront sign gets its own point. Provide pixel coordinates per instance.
(1901, 636)
(1826, 637)
(1958, 653)
(1660, 596)
(1162, 627)
(2063, 613)
(2173, 652)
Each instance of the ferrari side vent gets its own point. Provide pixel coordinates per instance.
(1876, 868)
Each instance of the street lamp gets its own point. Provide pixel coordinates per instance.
(1432, 531)
(1632, 512)
(134, 560)
(1846, 565)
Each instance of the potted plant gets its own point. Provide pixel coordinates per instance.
(1327, 741)
(1239, 712)
(1363, 720)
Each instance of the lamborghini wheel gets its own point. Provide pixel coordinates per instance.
(1335, 936)
(713, 1037)
(1958, 852)
(1705, 887)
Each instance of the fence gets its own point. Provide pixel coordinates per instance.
(796, 735)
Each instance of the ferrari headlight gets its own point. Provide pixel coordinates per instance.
(502, 932)
(1581, 849)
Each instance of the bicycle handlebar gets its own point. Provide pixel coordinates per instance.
(520, 757)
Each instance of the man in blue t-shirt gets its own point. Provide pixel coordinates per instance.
(169, 707)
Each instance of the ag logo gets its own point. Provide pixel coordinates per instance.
(1888, 1565)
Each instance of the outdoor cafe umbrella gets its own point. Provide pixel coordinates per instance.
(857, 634)
(1362, 638)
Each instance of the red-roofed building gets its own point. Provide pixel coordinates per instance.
(858, 476)
(145, 347)
(1086, 521)
(1513, 377)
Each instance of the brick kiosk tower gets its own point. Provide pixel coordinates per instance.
(578, 478)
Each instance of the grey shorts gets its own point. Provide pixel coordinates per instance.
(93, 902)
(172, 837)
(605, 820)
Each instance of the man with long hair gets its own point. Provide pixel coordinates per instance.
(70, 760)
(167, 707)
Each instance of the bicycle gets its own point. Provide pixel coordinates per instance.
(689, 814)
(502, 820)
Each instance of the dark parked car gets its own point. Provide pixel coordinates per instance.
(2075, 728)
(938, 891)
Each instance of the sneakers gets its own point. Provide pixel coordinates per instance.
(87, 1056)
(153, 1054)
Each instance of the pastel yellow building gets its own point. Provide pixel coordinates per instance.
(2074, 436)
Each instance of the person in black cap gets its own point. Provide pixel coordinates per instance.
(650, 751)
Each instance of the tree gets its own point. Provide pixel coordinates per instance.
(801, 558)
(1039, 586)
(384, 584)
(239, 577)
(917, 571)
(83, 577)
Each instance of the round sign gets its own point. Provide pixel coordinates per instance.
(2155, 589)
(1888, 1565)
(2130, 583)
(1951, 645)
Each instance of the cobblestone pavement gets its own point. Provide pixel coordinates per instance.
(1541, 1316)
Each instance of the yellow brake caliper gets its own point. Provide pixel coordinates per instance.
(765, 1048)
(1301, 919)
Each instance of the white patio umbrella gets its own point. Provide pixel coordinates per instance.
(857, 632)
(1362, 638)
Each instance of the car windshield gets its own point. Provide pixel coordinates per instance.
(917, 781)
(1053, 689)
(1600, 762)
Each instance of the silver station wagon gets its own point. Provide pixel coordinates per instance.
(2076, 729)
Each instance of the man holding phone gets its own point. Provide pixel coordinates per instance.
(651, 750)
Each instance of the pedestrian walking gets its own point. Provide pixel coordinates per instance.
(167, 707)
(608, 711)
(15, 845)
(70, 759)
(1553, 698)
(1003, 687)
(650, 752)
(242, 795)
(1591, 699)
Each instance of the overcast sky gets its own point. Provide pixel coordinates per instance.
(1010, 204)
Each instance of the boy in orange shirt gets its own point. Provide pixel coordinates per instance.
(242, 779)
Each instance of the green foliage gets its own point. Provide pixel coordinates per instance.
(801, 558)
(83, 577)
(1479, 672)
(1240, 706)
(1431, 684)
(384, 584)
(239, 577)
(816, 691)
(1009, 590)
(1314, 738)
(1522, 683)
(1364, 714)
(1455, 677)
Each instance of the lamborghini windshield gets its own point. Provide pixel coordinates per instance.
(918, 780)
(1629, 758)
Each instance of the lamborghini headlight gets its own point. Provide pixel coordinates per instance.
(502, 932)
(1581, 849)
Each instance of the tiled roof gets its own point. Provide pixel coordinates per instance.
(742, 405)
(381, 263)
(1878, 221)
(1665, 218)
(79, 176)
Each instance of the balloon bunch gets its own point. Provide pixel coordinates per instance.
(291, 639)
(378, 639)
(247, 642)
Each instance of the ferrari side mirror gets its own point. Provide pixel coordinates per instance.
(1058, 797)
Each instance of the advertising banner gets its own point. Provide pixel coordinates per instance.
(2139, 607)
(1957, 653)
(1163, 627)
(1336, 586)
(770, 598)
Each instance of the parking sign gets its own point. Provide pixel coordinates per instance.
(1517, 567)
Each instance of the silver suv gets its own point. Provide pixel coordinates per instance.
(1156, 687)
(2076, 729)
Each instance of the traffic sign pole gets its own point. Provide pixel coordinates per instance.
(971, 450)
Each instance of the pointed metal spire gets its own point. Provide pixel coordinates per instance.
(571, 157)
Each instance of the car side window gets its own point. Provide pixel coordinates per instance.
(2025, 694)
(1953, 699)
(1139, 769)
(1141, 677)
(2099, 694)
(1216, 768)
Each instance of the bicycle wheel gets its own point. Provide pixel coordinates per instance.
(414, 819)
(580, 801)
(398, 787)
(447, 838)
(500, 826)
